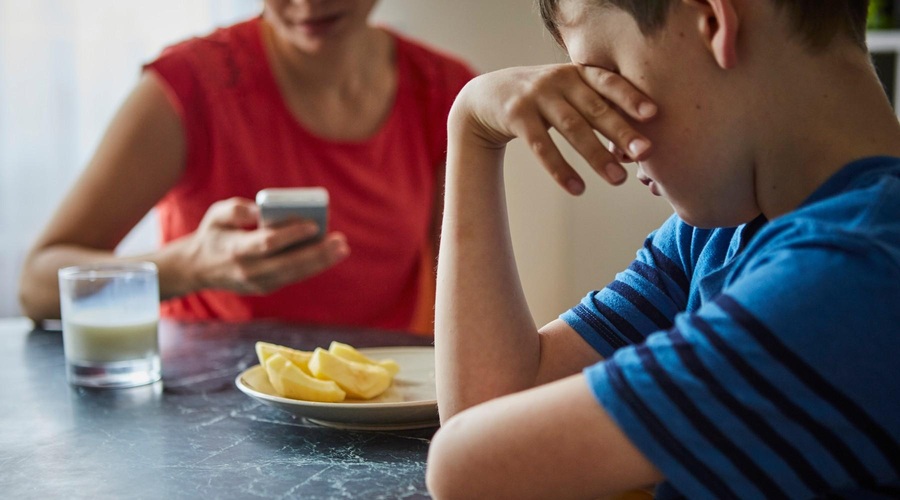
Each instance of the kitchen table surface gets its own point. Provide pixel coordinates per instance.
(194, 435)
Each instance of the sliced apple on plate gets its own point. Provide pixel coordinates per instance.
(349, 353)
(265, 350)
(358, 380)
(290, 381)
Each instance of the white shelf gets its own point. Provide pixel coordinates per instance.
(883, 40)
(887, 41)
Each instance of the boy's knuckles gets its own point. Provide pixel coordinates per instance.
(623, 136)
(538, 147)
(597, 108)
(514, 108)
(607, 79)
(546, 80)
(569, 123)
(553, 72)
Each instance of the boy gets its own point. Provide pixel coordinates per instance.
(749, 351)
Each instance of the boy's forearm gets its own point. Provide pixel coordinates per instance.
(485, 337)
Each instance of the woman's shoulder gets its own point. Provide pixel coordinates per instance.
(221, 38)
(218, 56)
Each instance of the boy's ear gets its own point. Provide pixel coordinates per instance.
(718, 25)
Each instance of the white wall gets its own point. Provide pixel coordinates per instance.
(564, 246)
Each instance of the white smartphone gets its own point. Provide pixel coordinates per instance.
(277, 205)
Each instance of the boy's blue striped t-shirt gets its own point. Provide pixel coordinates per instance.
(762, 361)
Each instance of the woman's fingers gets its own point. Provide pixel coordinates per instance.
(265, 274)
(311, 260)
(271, 240)
(234, 212)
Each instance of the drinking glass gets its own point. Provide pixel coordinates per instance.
(110, 314)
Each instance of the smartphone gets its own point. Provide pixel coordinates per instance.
(277, 205)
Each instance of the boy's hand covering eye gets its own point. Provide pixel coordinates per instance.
(578, 101)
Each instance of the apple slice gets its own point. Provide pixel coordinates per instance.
(289, 381)
(351, 354)
(265, 350)
(359, 380)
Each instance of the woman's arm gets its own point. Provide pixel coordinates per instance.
(139, 159)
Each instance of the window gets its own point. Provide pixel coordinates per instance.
(65, 67)
(884, 45)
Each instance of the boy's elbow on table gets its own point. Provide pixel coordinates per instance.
(449, 474)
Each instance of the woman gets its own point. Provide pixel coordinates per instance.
(308, 94)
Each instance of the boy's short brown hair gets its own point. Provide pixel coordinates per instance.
(817, 21)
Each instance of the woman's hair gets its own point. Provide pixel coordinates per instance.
(816, 21)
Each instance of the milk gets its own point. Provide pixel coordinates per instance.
(94, 340)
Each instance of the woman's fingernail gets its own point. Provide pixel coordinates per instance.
(646, 109)
(614, 172)
(638, 147)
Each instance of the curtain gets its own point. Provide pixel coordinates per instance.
(65, 67)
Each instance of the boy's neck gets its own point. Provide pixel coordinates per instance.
(822, 112)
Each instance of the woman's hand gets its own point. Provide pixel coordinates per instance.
(575, 100)
(228, 251)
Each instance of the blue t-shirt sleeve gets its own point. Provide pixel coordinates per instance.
(642, 299)
(783, 386)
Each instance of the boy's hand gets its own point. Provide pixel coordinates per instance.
(224, 254)
(575, 100)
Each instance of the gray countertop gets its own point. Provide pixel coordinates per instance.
(193, 435)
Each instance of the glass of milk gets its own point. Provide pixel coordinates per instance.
(110, 314)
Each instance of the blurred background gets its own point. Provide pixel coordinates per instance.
(67, 65)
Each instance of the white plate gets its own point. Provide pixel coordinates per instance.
(410, 402)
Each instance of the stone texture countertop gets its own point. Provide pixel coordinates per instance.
(194, 435)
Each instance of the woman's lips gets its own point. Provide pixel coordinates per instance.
(319, 25)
